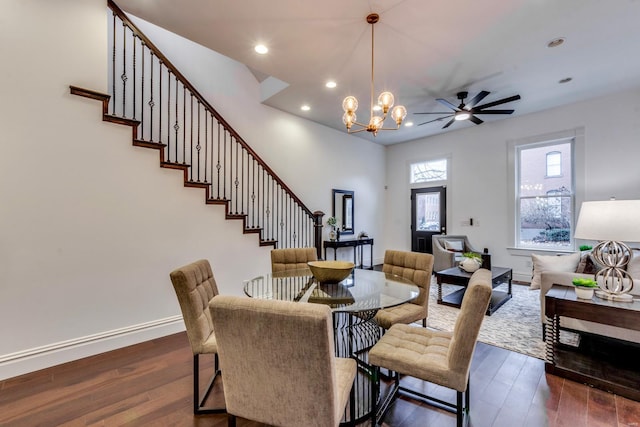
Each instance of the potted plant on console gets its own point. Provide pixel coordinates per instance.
(332, 222)
(471, 261)
(584, 287)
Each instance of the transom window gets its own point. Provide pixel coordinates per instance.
(429, 171)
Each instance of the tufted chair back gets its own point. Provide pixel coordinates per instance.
(291, 258)
(278, 362)
(416, 267)
(467, 327)
(195, 287)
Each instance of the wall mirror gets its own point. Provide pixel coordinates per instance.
(343, 210)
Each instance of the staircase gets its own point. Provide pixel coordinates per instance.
(166, 113)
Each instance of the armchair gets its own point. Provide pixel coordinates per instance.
(448, 250)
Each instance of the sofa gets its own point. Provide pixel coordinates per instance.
(548, 278)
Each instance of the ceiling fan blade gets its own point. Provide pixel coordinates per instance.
(479, 97)
(498, 102)
(475, 119)
(434, 120)
(448, 104)
(493, 111)
(449, 123)
(441, 112)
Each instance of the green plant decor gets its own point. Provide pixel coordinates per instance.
(473, 255)
(584, 283)
(332, 221)
(585, 247)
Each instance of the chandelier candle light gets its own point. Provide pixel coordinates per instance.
(610, 222)
(385, 101)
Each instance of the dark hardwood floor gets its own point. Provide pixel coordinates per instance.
(150, 384)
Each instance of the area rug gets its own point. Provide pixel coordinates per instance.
(514, 326)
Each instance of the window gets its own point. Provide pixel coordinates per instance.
(554, 163)
(429, 171)
(544, 195)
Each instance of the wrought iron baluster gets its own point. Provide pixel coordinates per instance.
(218, 162)
(206, 145)
(160, 100)
(184, 127)
(176, 125)
(123, 76)
(151, 102)
(237, 181)
(142, 46)
(134, 75)
(113, 68)
(168, 110)
(190, 136)
(198, 147)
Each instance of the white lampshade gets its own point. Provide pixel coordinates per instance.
(617, 220)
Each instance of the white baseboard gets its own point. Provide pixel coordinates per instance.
(22, 362)
(521, 276)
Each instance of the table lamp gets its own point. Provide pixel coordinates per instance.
(611, 222)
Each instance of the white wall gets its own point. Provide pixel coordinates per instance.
(479, 180)
(90, 226)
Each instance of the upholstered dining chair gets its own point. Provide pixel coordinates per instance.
(278, 362)
(416, 267)
(195, 287)
(291, 258)
(439, 357)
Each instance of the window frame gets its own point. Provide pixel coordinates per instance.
(578, 171)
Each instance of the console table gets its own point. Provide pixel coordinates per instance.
(603, 362)
(356, 244)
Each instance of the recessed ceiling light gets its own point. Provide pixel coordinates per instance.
(408, 124)
(261, 49)
(305, 108)
(556, 42)
(565, 80)
(331, 84)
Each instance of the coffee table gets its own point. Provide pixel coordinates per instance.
(459, 277)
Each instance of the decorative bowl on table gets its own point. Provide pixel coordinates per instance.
(330, 271)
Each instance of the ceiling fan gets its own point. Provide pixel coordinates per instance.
(469, 110)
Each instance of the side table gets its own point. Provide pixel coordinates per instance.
(603, 362)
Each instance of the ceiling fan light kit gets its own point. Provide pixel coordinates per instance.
(470, 110)
(385, 102)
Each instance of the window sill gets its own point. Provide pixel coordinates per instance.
(526, 252)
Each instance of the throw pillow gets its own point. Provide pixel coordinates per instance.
(454, 245)
(563, 263)
(586, 264)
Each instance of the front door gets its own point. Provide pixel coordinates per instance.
(428, 216)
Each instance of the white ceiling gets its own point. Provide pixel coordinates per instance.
(423, 50)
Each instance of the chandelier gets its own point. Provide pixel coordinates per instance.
(385, 102)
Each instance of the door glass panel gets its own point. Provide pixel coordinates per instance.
(428, 211)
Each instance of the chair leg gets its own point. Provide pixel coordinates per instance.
(197, 401)
(460, 408)
(392, 395)
(231, 420)
(375, 390)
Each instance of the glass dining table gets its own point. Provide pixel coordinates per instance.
(354, 302)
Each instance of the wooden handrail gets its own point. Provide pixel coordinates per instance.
(116, 9)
